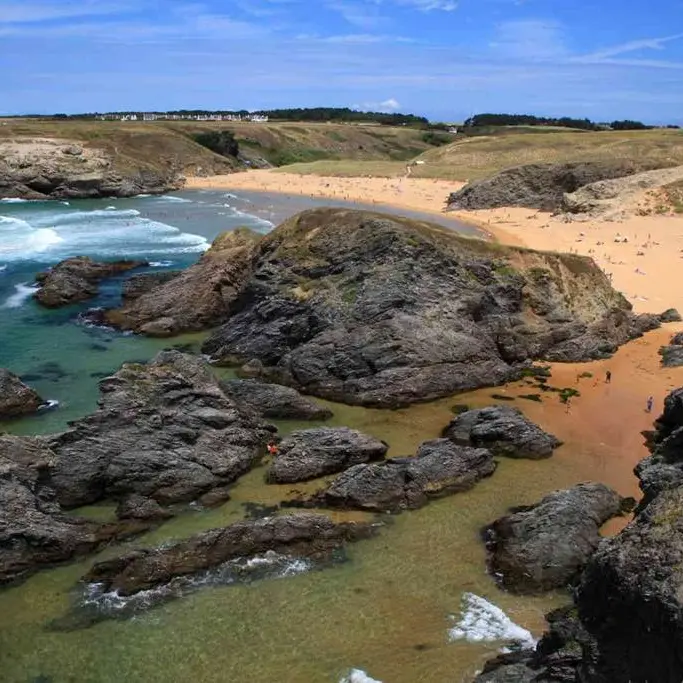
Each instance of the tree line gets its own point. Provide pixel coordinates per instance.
(487, 120)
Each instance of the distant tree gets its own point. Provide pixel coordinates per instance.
(628, 125)
(482, 120)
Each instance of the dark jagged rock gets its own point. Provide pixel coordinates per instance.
(377, 310)
(164, 430)
(504, 431)
(539, 186)
(137, 285)
(16, 399)
(200, 297)
(34, 532)
(298, 535)
(274, 400)
(439, 468)
(139, 507)
(312, 453)
(546, 545)
(630, 597)
(671, 315)
(556, 659)
(76, 279)
(663, 470)
(672, 355)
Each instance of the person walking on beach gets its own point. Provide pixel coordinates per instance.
(608, 377)
(650, 403)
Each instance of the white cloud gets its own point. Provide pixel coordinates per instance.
(529, 39)
(30, 12)
(365, 16)
(430, 5)
(388, 106)
(631, 46)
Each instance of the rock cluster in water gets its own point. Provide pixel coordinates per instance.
(76, 279)
(625, 625)
(375, 310)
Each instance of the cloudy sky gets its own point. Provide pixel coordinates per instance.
(446, 59)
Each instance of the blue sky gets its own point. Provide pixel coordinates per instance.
(446, 59)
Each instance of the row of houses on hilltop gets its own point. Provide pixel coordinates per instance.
(254, 118)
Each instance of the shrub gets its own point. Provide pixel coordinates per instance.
(219, 141)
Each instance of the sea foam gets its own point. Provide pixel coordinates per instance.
(358, 676)
(22, 292)
(482, 622)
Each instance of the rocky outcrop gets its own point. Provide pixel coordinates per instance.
(504, 431)
(608, 199)
(298, 535)
(76, 279)
(61, 169)
(672, 355)
(556, 659)
(16, 399)
(163, 430)
(200, 297)
(630, 598)
(313, 453)
(626, 626)
(274, 401)
(377, 310)
(137, 285)
(439, 468)
(34, 532)
(539, 186)
(546, 545)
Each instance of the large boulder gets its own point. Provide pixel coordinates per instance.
(504, 431)
(672, 354)
(539, 186)
(630, 597)
(312, 453)
(297, 535)
(439, 468)
(200, 297)
(75, 279)
(164, 430)
(16, 399)
(274, 401)
(377, 310)
(142, 283)
(546, 545)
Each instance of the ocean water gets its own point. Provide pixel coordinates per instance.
(413, 604)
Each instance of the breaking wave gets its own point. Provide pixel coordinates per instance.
(482, 622)
(22, 292)
(358, 676)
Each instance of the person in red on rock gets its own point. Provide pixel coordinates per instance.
(272, 448)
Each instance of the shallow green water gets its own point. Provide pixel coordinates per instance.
(386, 610)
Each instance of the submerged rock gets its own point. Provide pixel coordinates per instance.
(16, 399)
(439, 468)
(546, 545)
(504, 431)
(34, 531)
(139, 507)
(164, 430)
(297, 535)
(274, 400)
(76, 279)
(312, 453)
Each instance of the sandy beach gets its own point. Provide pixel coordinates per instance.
(641, 254)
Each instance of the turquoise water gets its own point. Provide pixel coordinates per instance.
(386, 610)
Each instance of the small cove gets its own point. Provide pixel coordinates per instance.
(385, 610)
